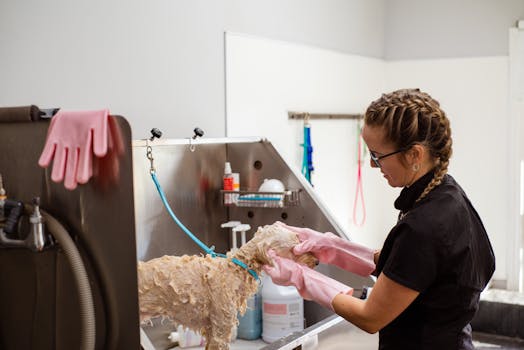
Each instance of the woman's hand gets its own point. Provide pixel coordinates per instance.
(328, 248)
(311, 285)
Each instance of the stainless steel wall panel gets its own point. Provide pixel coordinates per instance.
(191, 182)
(38, 299)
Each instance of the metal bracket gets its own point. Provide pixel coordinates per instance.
(308, 116)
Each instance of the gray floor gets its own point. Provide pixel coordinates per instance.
(483, 341)
(340, 336)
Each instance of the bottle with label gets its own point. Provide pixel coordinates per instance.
(282, 310)
(228, 181)
(236, 186)
(250, 324)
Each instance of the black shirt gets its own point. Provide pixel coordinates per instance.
(439, 248)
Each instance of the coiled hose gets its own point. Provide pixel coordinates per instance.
(87, 309)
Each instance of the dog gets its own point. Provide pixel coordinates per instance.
(204, 293)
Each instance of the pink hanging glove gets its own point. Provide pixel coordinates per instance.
(311, 285)
(328, 248)
(107, 169)
(71, 139)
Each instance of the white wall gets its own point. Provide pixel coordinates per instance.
(515, 256)
(267, 78)
(430, 29)
(158, 63)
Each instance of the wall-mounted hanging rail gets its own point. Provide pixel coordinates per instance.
(306, 115)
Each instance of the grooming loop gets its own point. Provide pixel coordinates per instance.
(149, 155)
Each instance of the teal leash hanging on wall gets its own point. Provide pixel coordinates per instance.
(307, 156)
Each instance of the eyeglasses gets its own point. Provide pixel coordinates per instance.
(376, 159)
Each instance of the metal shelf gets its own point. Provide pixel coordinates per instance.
(255, 199)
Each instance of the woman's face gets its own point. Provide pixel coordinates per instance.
(394, 168)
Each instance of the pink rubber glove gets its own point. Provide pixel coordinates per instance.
(328, 248)
(71, 139)
(311, 285)
(107, 169)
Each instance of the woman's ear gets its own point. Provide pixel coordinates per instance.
(416, 154)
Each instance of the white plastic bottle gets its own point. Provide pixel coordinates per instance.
(186, 338)
(282, 311)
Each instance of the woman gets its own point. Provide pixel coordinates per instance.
(434, 262)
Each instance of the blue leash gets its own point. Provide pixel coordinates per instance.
(189, 233)
(307, 158)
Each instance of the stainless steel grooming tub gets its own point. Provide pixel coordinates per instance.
(191, 172)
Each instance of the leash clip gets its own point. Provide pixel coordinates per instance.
(149, 155)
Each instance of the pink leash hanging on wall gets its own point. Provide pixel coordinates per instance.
(359, 191)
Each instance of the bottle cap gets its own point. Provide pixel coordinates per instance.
(227, 168)
(174, 337)
(241, 228)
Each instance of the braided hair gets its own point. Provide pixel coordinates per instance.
(409, 117)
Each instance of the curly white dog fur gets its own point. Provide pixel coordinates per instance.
(205, 294)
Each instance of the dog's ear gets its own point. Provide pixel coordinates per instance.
(262, 255)
(307, 259)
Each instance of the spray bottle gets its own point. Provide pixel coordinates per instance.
(228, 183)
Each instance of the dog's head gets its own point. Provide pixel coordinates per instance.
(282, 241)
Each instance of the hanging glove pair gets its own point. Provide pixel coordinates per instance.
(72, 139)
(329, 249)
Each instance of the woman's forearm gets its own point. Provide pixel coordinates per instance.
(387, 300)
(354, 311)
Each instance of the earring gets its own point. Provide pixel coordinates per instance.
(416, 167)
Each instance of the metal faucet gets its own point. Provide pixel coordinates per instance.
(35, 241)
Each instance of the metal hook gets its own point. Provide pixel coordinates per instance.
(306, 119)
(197, 133)
(155, 133)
